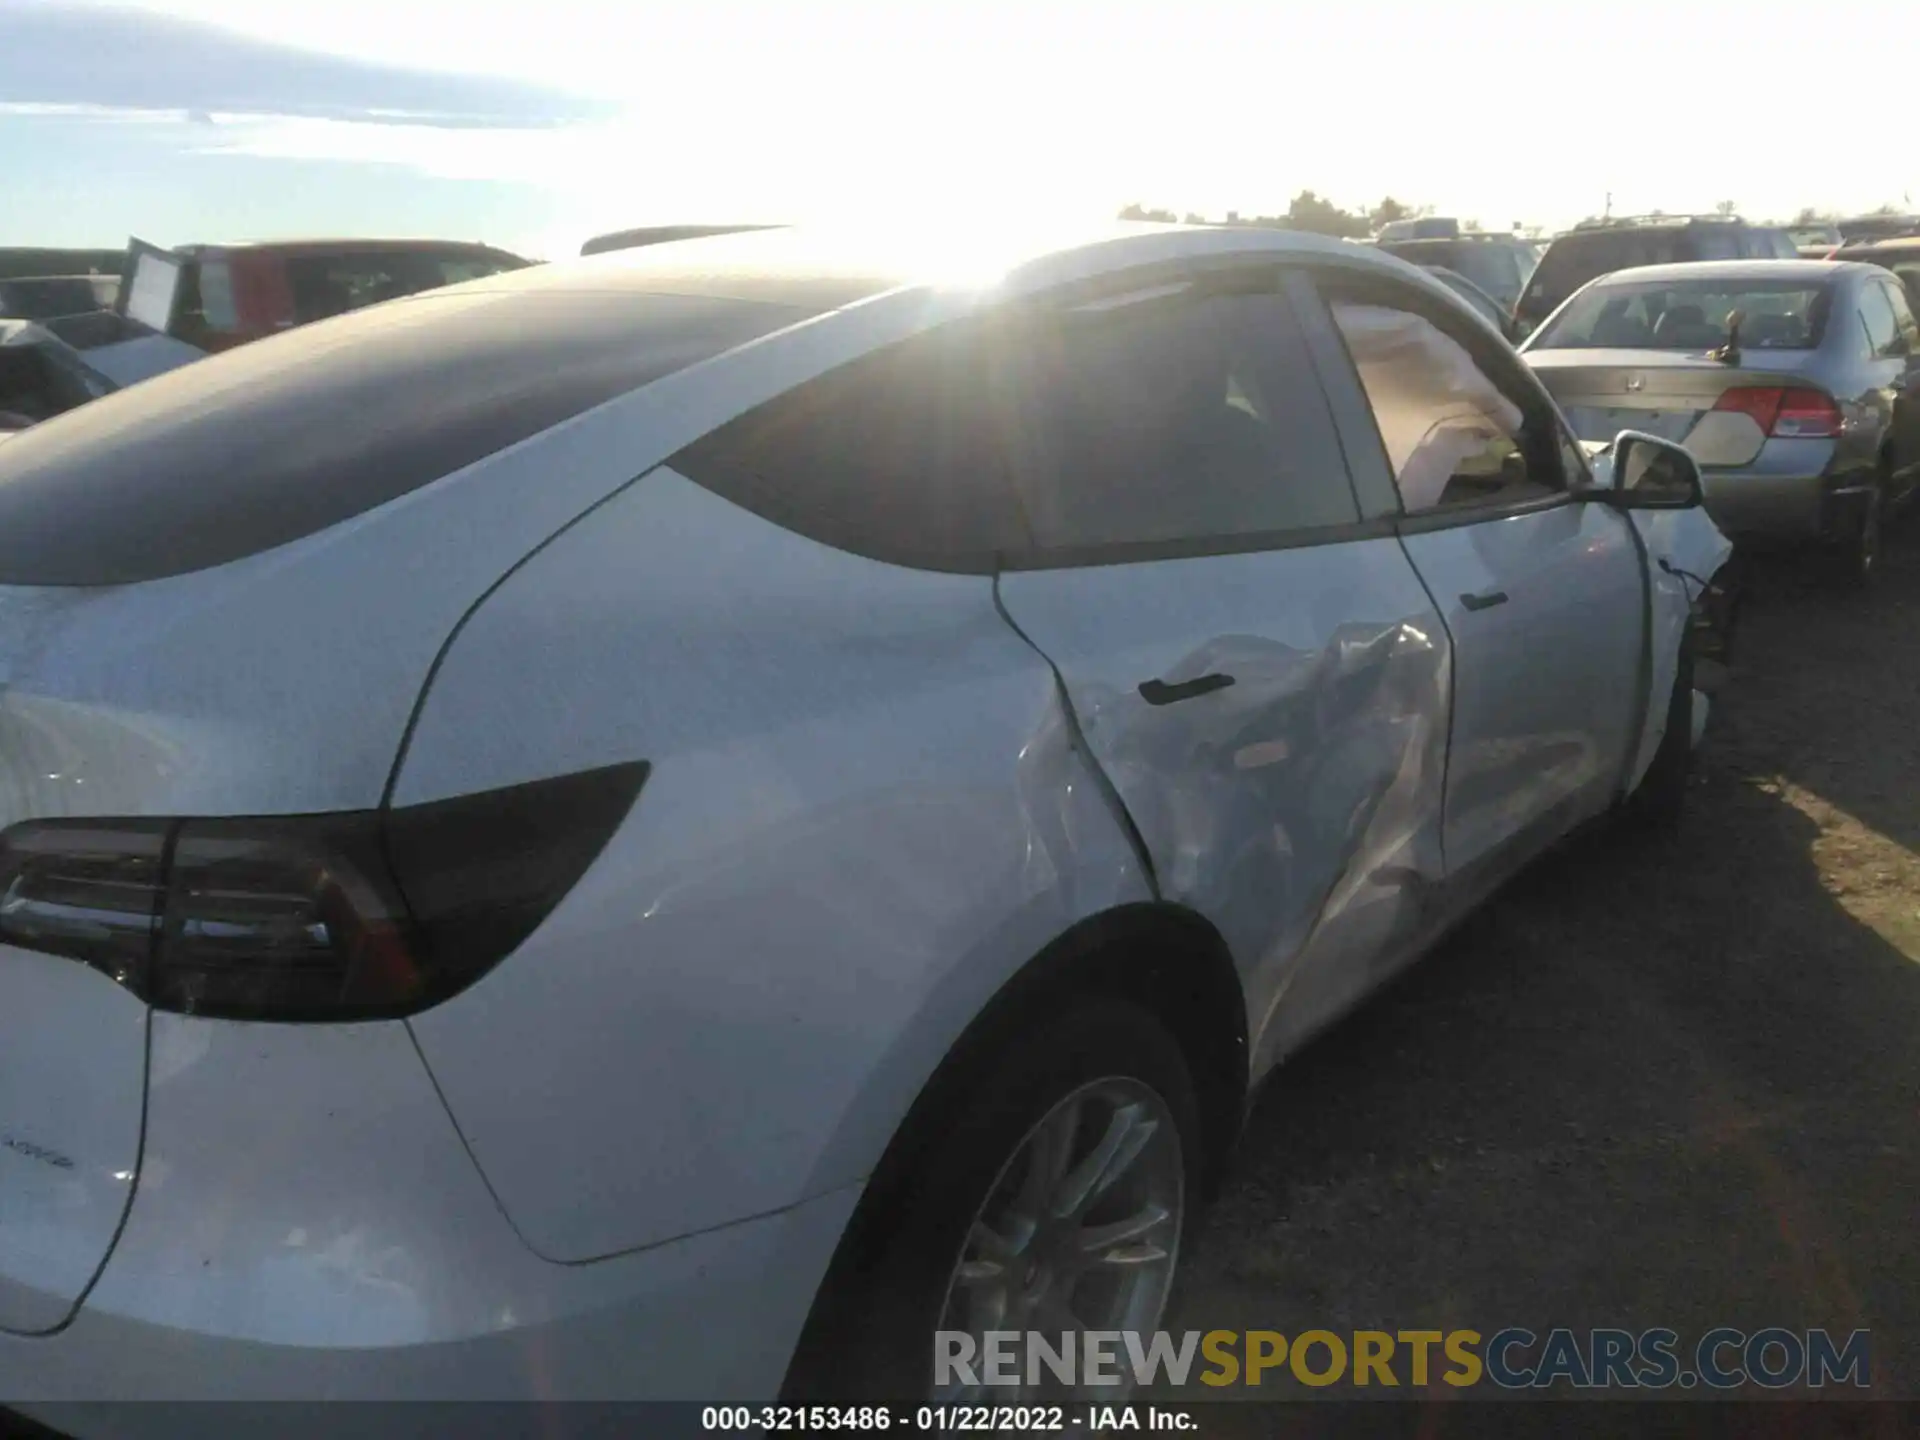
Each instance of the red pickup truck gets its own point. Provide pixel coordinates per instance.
(219, 296)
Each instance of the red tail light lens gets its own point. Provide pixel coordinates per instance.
(1787, 413)
(360, 915)
(1807, 415)
(1763, 404)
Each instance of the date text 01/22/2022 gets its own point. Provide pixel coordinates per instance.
(974, 1419)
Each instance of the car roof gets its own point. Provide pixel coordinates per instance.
(823, 268)
(1893, 245)
(1810, 271)
(441, 380)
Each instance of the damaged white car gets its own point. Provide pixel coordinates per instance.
(672, 825)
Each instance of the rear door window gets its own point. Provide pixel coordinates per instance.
(1877, 318)
(1905, 326)
(1183, 416)
(1165, 415)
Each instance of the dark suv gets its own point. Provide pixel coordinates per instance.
(1599, 247)
(1499, 264)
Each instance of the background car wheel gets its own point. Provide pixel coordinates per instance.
(1858, 559)
(1661, 797)
(1048, 1190)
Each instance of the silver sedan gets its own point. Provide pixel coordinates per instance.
(1794, 383)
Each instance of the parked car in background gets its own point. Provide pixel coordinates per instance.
(1815, 241)
(659, 235)
(41, 376)
(1795, 384)
(669, 830)
(1877, 227)
(1600, 247)
(218, 296)
(1489, 309)
(1902, 257)
(47, 297)
(1498, 264)
(47, 369)
(22, 261)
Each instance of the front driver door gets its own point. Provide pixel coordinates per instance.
(1543, 594)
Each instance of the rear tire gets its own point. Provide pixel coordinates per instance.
(1660, 799)
(898, 1276)
(1858, 560)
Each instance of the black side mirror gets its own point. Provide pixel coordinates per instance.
(1653, 474)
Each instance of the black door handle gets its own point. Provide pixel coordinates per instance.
(1159, 692)
(1486, 601)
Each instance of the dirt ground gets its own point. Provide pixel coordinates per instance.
(1669, 1082)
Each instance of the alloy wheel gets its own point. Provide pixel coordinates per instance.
(1080, 1231)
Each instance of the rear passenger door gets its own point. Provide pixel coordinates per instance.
(1259, 674)
(1544, 595)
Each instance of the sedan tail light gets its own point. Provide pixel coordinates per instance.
(357, 915)
(1790, 414)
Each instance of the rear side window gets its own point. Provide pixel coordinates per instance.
(1905, 326)
(1187, 416)
(264, 444)
(901, 456)
(1877, 317)
(1165, 416)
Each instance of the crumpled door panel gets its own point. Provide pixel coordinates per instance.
(1275, 725)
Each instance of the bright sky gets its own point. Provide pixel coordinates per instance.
(714, 110)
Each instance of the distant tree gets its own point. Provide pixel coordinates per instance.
(1810, 216)
(1388, 211)
(1137, 211)
(1195, 219)
(1726, 207)
(1471, 225)
(1310, 212)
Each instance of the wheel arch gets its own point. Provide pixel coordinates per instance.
(1166, 958)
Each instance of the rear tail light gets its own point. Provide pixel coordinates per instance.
(359, 915)
(1807, 415)
(1790, 414)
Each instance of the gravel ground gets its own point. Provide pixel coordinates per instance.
(1669, 1082)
